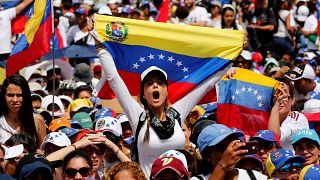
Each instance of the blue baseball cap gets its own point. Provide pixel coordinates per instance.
(242, 138)
(214, 134)
(81, 11)
(126, 9)
(251, 157)
(104, 112)
(280, 157)
(310, 172)
(305, 134)
(75, 124)
(267, 136)
(69, 131)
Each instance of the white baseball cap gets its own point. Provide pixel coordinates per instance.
(123, 118)
(246, 55)
(150, 69)
(110, 124)
(12, 152)
(57, 138)
(302, 71)
(105, 10)
(46, 101)
(176, 154)
(303, 13)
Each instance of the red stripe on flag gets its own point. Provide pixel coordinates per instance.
(248, 120)
(18, 23)
(312, 116)
(39, 47)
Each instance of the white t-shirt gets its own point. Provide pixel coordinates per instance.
(64, 25)
(5, 29)
(197, 14)
(282, 29)
(5, 130)
(311, 24)
(214, 23)
(238, 27)
(294, 122)
(75, 34)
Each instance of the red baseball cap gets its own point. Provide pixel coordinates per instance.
(172, 163)
(257, 57)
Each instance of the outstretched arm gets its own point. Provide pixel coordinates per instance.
(23, 5)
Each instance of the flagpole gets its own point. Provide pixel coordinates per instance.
(53, 58)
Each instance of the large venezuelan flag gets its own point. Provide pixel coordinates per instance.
(188, 54)
(245, 101)
(35, 42)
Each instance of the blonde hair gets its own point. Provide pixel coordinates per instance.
(133, 167)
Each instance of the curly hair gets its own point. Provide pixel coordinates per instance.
(133, 167)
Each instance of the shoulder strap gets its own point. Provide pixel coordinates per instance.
(252, 176)
(199, 177)
(141, 121)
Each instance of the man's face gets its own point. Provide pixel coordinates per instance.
(261, 4)
(301, 86)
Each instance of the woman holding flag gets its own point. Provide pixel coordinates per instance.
(155, 122)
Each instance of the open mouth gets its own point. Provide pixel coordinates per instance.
(155, 95)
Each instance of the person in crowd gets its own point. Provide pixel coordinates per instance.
(36, 102)
(13, 154)
(251, 162)
(282, 121)
(197, 15)
(126, 170)
(58, 124)
(78, 105)
(56, 75)
(34, 166)
(66, 100)
(306, 143)
(283, 164)
(263, 23)
(66, 88)
(215, 11)
(169, 167)
(16, 112)
(228, 18)
(310, 27)
(66, 20)
(56, 108)
(310, 172)
(29, 144)
(83, 119)
(282, 37)
(83, 92)
(160, 123)
(303, 77)
(77, 165)
(6, 17)
(268, 142)
(53, 142)
(181, 13)
(37, 88)
(125, 125)
(114, 7)
(244, 60)
(220, 149)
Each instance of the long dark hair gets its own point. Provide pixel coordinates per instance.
(27, 123)
(76, 154)
(223, 12)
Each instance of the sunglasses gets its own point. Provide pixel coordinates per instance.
(289, 166)
(90, 150)
(113, 138)
(85, 172)
(266, 145)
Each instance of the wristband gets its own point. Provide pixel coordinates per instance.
(224, 168)
(75, 147)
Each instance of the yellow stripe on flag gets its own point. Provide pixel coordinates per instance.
(34, 22)
(202, 42)
(253, 77)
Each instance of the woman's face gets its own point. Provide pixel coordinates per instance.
(215, 10)
(265, 149)
(309, 150)
(14, 98)
(77, 164)
(84, 95)
(96, 155)
(291, 173)
(228, 18)
(155, 91)
(285, 104)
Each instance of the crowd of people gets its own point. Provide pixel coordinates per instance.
(53, 125)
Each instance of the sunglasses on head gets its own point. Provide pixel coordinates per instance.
(90, 150)
(267, 145)
(84, 171)
(290, 166)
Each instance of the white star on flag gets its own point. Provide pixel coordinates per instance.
(161, 56)
(185, 69)
(237, 92)
(170, 59)
(136, 65)
(249, 89)
(259, 97)
(179, 63)
(255, 92)
(243, 89)
(151, 56)
(142, 59)
(260, 104)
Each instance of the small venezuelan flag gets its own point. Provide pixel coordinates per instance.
(35, 41)
(245, 101)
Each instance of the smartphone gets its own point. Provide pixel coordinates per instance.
(252, 147)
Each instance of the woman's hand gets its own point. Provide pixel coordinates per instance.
(101, 139)
(231, 72)
(83, 142)
(284, 94)
(233, 154)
